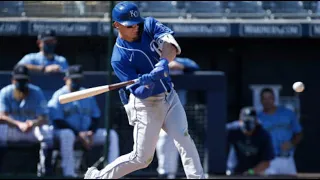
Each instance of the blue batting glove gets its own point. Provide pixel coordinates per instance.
(161, 70)
(123, 97)
(162, 62)
(146, 79)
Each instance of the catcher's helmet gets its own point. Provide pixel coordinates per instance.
(127, 14)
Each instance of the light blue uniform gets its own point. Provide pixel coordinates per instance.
(78, 114)
(30, 108)
(282, 125)
(40, 60)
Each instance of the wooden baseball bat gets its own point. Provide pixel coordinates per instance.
(82, 94)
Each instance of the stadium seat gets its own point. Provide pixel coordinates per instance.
(204, 9)
(160, 9)
(245, 9)
(11, 8)
(287, 8)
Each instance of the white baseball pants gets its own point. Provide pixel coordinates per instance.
(148, 116)
(67, 139)
(167, 155)
(282, 166)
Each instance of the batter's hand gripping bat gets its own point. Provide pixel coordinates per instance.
(82, 94)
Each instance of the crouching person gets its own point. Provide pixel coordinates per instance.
(78, 121)
(24, 114)
(251, 147)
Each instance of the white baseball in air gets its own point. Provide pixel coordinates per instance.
(298, 87)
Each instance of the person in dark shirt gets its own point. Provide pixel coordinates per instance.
(251, 147)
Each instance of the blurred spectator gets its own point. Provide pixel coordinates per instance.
(251, 148)
(46, 60)
(166, 150)
(24, 113)
(285, 131)
(78, 121)
(74, 8)
(81, 5)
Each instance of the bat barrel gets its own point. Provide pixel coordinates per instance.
(82, 94)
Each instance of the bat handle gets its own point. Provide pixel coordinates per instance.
(136, 81)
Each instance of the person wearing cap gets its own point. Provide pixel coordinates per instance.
(24, 113)
(46, 60)
(143, 49)
(251, 149)
(78, 120)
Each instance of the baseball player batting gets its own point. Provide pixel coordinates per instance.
(143, 49)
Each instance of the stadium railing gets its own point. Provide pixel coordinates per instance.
(165, 9)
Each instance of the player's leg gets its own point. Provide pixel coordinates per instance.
(44, 135)
(147, 116)
(288, 166)
(176, 125)
(167, 155)
(3, 134)
(99, 138)
(66, 139)
(273, 167)
(3, 141)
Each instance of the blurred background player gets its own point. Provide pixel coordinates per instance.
(24, 113)
(78, 120)
(285, 131)
(251, 148)
(167, 153)
(46, 60)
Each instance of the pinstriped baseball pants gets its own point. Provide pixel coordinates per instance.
(67, 139)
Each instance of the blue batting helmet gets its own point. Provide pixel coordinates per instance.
(127, 14)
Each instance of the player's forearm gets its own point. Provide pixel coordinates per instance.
(40, 121)
(169, 51)
(35, 68)
(296, 139)
(261, 167)
(6, 119)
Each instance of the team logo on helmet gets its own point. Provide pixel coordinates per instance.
(134, 13)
